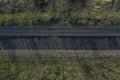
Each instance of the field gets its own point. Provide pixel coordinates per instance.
(54, 68)
(59, 12)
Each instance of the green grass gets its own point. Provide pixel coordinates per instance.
(36, 18)
(41, 68)
(59, 12)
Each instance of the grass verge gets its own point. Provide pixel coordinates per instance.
(36, 18)
(44, 68)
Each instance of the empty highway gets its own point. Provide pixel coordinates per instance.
(58, 32)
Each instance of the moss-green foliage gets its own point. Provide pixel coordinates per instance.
(59, 12)
(10, 6)
(44, 5)
(27, 18)
(39, 68)
(56, 18)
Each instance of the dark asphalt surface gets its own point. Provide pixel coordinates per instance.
(37, 32)
(25, 31)
(60, 31)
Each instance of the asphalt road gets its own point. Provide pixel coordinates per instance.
(37, 32)
(4, 32)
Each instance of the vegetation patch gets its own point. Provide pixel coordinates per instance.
(59, 12)
(54, 18)
(43, 68)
